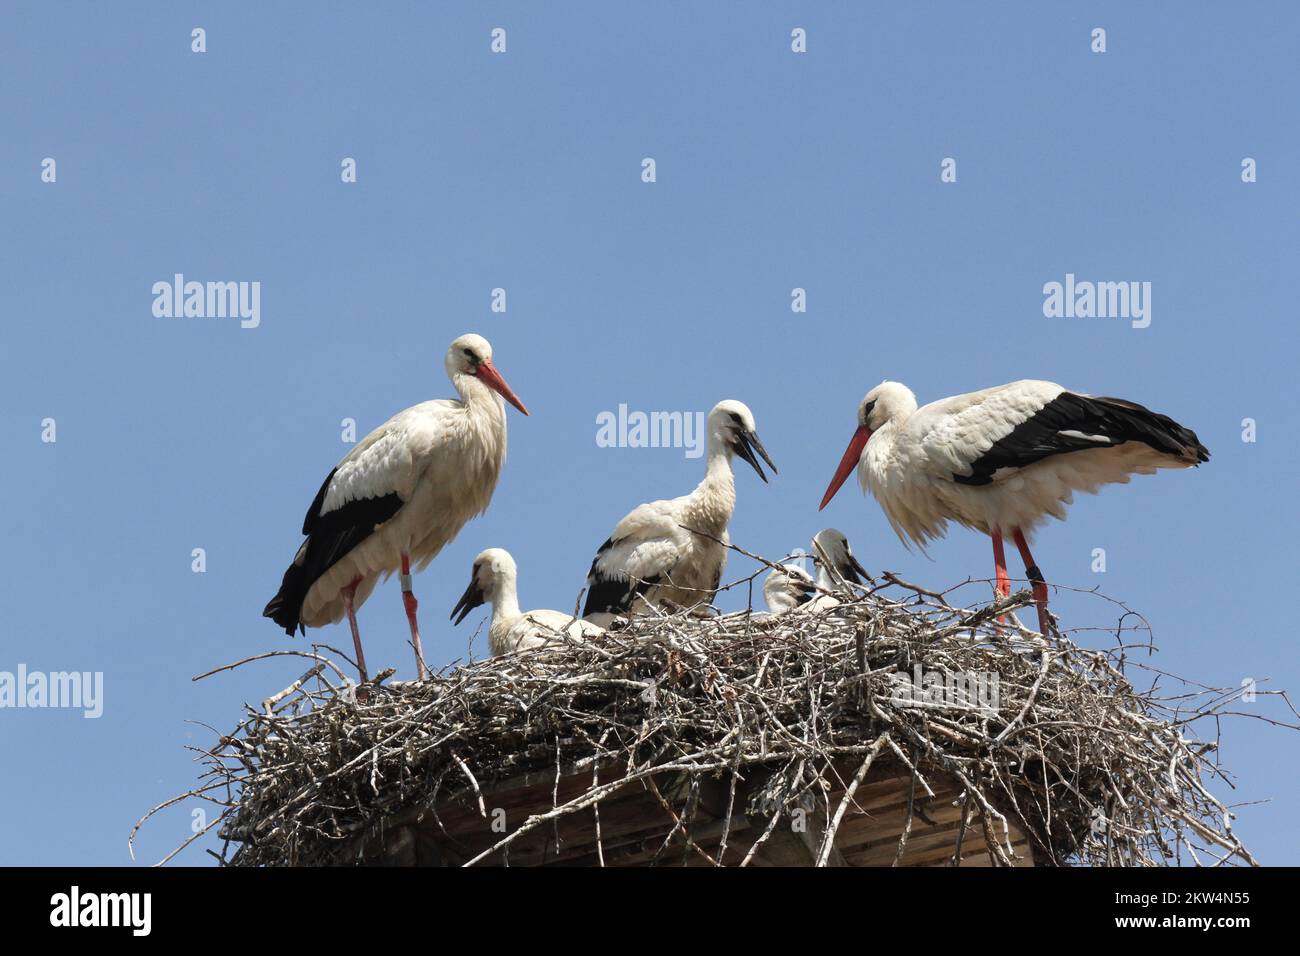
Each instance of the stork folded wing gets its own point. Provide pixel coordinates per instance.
(1072, 422)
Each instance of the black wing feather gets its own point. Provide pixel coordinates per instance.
(612, 595)
(1040, 435)
(329, 539)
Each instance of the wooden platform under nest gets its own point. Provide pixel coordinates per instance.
(636, 829)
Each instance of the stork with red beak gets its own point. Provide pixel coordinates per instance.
(398, 497)
(1001, 460)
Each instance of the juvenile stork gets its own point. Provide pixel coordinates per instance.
(794, 587)
(397, 497)
(651, 558)
(788, 588)
(494, 580)
(1001, 460)
(835, 564)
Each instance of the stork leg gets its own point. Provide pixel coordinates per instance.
(349, 594)
(410, 603)
(1036, 579)
(1000, 565)
(1003, 586)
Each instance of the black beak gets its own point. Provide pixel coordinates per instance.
(745, 445)
(472, 598)
(855, 572)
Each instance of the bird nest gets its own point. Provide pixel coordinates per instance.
(1064, 748)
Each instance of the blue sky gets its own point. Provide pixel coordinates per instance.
(522, 170)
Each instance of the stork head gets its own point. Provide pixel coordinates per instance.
(788, 588)
(831, 549)
(472, 355)
(886, 402)
(493, 568)
(731, 426)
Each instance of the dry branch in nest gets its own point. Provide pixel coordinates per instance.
(1065, 750)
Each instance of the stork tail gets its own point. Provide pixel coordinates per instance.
(286, 606)
(1132, 422)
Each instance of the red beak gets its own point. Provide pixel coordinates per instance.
(847, 463)
(490, 377)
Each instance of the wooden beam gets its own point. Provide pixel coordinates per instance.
(794, 841)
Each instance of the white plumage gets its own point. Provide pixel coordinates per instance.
(836, 566)
(398, 497)
(651, 557)
(494, 580)
(1001, 460)
(787, 589)
(793, 587)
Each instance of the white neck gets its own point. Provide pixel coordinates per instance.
(484, 428)
(504, 598)
(477, 397)
(709, 507)
(717, 465)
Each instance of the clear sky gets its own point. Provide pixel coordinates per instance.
(523, 170)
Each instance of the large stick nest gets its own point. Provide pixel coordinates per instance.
(1094, 770)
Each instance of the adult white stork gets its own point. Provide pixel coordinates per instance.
(397, 497)
(494, 579)
(1001, 460)
(794, 587)
(651, 558)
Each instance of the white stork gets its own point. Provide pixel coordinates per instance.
(1001, 460)
(794, 587)
(787, 589)
(397, 497)
(835, 563)
(651, 557)
(494, 579)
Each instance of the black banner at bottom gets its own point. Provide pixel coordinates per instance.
(185, 904)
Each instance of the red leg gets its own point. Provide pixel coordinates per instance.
(349, 593)
(1000, 565)
(1036, 579)
(1003, 586)
(410, 603)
